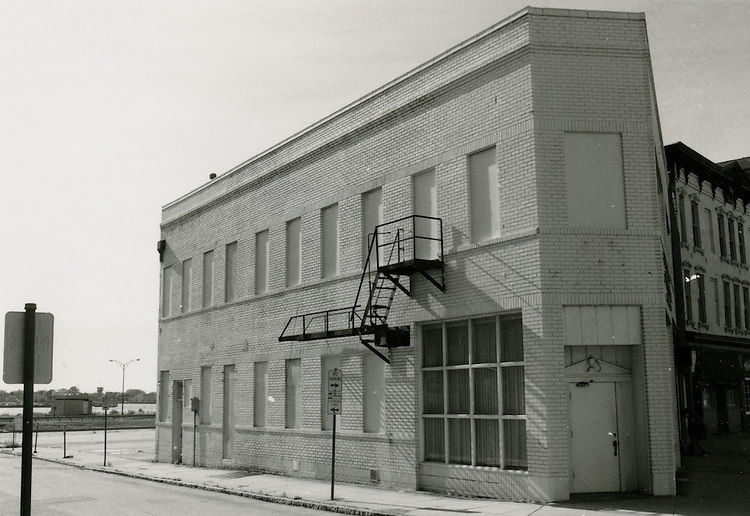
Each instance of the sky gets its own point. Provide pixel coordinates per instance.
(110, 110)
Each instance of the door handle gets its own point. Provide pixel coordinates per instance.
(614, 441)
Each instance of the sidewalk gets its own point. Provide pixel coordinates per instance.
(707, 495)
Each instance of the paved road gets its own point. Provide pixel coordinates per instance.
(64, 490)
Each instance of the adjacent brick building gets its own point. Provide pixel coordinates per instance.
(712, 257)
(516, 186)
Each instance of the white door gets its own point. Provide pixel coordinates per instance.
(595, 454)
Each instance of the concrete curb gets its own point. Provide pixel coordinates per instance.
(296, 502)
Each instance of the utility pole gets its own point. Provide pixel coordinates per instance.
(124, 366)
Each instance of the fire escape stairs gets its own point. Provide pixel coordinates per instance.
(392, 256)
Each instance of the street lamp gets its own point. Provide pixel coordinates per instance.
(124, 366)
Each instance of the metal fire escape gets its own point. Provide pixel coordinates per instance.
(397, 249)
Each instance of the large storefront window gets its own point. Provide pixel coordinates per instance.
(473, 403)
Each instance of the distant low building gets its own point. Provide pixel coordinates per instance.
(75, 405)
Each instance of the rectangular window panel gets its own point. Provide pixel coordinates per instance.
(260, 393)
(484, 197)
(293, 252)
(372, 216)
(457, 337)
(261, 262)
(205, 408)
(511, 340)
(683, 218)
(327, 363)
(594, 180)
(458, 391)
(514, 443)
(484, 342)
(485, 391)
(737, 307)
(432, 392)
(432, 346)
(230, 273)
(513, 390)
(434, 442)
(208, 279)
(746, 305)
(488, 442)
(730, 232)
(459, 441)
(741, 243)
(374, 395)
(329, 241)
(293, 388)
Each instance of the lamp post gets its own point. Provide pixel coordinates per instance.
(124, 366)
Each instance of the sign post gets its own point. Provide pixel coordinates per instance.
(335, 382)
(27, 360)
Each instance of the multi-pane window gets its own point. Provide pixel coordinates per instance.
(695, 216)
(208, 279)
(746, 305)
(205, 407)
(484, 198)
(260, 393)
(473, 408)
(710, 225)
(737, 307)
(741, 242)
(688, 295)
(727, 305)
(293, 252)
(329, 241)
(732, 249)
(261, 262)
(187, 285)
(717, 308)
(167, 288)
(683, 222)
(722, 235)
(230, 273)
(293, 392)
(701, 298)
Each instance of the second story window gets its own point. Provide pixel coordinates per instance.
(683, 223)
(722, 235)
(732, 247)
(695, 215)
(208, 279)
(710, 225)
(701, 299)
(230, 273)
(688, 296)
(187, 282)
(741, 242)
(293, 252)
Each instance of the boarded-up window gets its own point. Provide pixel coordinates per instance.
(594, 179)
(187, 285)
(484, 197)
(261, 262)
(260, 393)
(230, 273)
(208, 279)
(329, 241)
(293, 252)
(372, 215)
(374, 396)
(293, 392)
(425, 204)
(205, 407)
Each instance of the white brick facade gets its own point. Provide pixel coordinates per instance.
(517, 87)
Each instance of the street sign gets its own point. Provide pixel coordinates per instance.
(14, 344)
(335, 382)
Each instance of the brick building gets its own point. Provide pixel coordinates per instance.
(714, 353)
(479, 247)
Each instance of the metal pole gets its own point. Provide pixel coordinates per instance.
(65, 443)
(36, 436)
(122, 400)
(195, 417)
(105, 435)
(29, 327)
(333, 455)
